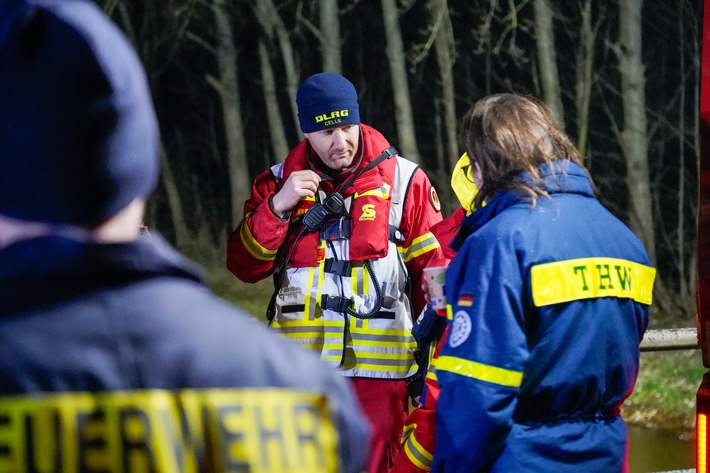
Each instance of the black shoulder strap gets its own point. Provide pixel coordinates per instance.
(386, 154)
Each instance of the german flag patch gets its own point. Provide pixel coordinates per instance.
(465, 300)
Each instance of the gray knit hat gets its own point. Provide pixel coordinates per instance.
(78, 131)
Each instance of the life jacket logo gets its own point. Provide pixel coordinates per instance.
(368, 212)
(302, 207)
(434, 199)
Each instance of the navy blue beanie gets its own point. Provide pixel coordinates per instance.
(326, 100)
(78, 132)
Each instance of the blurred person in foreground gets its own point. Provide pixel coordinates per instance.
(343, 226)
(549, 298)
(114, 356)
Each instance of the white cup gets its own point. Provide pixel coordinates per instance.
(434, 277)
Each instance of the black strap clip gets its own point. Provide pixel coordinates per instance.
(336, 303)
(340, 267)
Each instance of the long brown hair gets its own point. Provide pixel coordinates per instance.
(508, 134)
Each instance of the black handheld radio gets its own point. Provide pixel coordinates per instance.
(320, 213)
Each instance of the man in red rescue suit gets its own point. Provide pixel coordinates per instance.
(418, 438)
(343, 225)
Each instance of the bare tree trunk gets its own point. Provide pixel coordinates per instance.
(145, 46)
(680, 229)
(547, 59)
(447, 150)
(634, 136)
(585, 79)
(446, 57)
(227, 87)
(634, 139)
(269, 18)
(330, 36)
(182, 235)
(277, 133)
(400, 86)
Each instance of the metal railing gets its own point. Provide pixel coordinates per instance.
(670, 339)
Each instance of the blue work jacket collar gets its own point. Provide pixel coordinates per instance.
(41, 271)
(564, 177)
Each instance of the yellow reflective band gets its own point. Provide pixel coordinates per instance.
(420, 245)
(315, 324)
(407, 430)
(334, 328)
(371, 367)
(253, 246)
(307, 309)
(586, 278)
(260, 430)
(404, 356)
(480, 371)
(383, 192)
(399, 369)
(332, 341)
(417, 454)
(432, 375)
(382, 333)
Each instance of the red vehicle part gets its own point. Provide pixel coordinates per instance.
(703, 242)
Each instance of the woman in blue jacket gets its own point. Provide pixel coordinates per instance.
(549, 296)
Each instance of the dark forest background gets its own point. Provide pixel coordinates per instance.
(622, 78)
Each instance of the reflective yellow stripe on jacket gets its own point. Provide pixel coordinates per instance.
(586, 278)
(259, 430)
(480, 371)
(416, 453)
(253, 246)
(420, 245)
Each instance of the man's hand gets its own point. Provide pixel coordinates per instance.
(299, 184)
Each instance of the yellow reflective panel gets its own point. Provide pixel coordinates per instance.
(586, 278)
(259, 430)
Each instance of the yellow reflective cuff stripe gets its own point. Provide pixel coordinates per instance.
(265, 430)
(586, 278)
(419, 246)
(407, 430)
(253, 246)
(480, 371)
(417, 454)
(431, 370)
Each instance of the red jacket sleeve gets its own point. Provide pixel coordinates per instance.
(252, 246)
(446, 230)
(418, 439)
(420, 248)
